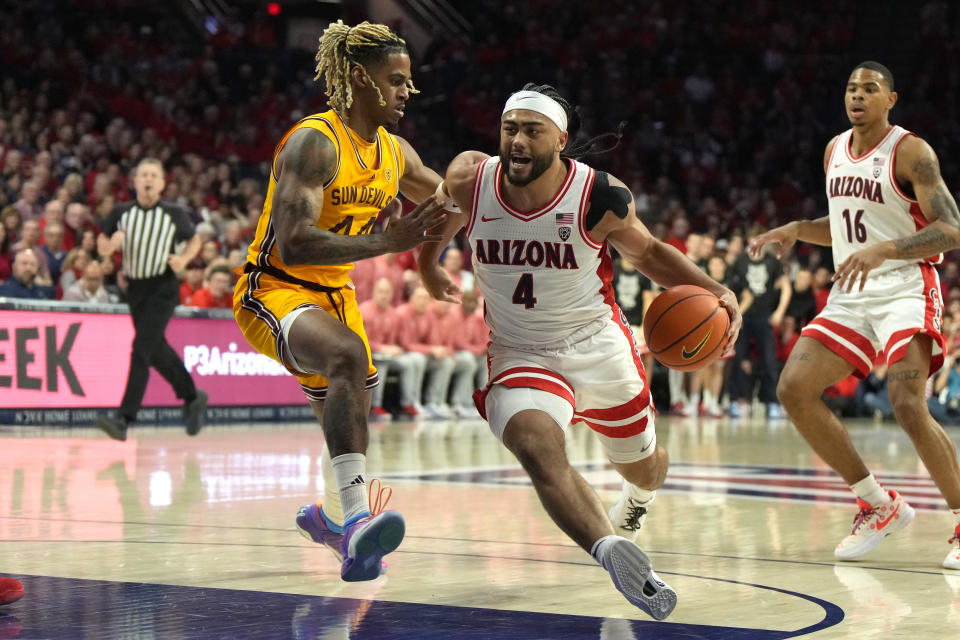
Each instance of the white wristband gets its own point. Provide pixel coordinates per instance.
(444, 199)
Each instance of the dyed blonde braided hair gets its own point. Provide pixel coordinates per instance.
(342, 46)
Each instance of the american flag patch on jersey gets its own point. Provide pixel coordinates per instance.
(564, 218)
(878, 162)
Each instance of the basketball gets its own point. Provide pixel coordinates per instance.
(686, 328)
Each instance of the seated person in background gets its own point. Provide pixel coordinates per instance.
(449, 327)
(218, 294)
(873, 398)
(380, 323)
(470, 340)
(192, 281)
(54, 253)
(23, 279)
(366, 272)
(417, 333)
(89, 288)
(944, 403)
(452, 262)
(73, 265)
(30, 239)
(210, 251)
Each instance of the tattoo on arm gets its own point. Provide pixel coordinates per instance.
(799, 355)
(309, 161)
(604, 197)
(931, 240)
(927, 170)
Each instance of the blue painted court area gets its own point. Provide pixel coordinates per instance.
(73, 608)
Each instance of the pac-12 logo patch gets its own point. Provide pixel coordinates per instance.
(564, 233)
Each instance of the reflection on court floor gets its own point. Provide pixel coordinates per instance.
(165, 536)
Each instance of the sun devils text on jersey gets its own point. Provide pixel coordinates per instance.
(366, 178)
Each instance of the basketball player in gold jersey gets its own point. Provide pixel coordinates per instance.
(333, 173)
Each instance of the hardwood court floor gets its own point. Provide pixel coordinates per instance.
(166, 536)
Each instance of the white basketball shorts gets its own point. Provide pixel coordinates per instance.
(878, 322)
(594, 377)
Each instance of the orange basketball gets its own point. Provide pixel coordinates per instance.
(686, 328)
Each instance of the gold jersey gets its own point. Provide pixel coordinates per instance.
(366, 178)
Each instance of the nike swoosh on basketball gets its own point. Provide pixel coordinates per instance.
(486, 219)
(686, 355)
(884, 523)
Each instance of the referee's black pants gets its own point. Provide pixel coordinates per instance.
(152, 301)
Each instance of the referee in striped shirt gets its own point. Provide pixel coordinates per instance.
(146, 230)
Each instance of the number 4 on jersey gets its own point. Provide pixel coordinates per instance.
(523, 294)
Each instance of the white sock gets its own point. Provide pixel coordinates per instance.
(332, 508)
(956, 515)
(870, 491)
(643, 496)
(601, 550)
(350, 470)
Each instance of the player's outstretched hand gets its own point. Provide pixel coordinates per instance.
(729, 302)
(785, 236)
(438, 282)
(404, 232)
(857, 266)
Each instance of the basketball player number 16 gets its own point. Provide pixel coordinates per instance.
(857, 229)
(523, 294)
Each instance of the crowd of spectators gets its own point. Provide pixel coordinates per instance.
(726, 108)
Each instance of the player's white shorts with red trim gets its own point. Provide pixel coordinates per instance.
(594, 377)
(893, 307)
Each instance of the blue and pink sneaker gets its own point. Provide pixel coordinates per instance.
(360, 543)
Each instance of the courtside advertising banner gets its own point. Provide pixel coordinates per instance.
(80, 360)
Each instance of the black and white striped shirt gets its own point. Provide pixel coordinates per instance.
(150, 235)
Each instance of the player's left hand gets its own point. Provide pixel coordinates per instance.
(857, 266)
(176, 262)
(729, 302)
(440, 285)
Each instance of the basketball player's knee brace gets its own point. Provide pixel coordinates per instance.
(632, 449)
(502, 403)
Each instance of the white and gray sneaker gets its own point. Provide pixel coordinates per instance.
(634, 577)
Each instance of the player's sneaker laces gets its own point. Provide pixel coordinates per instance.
(633, 576)
(952, 561)
(628, 516)
(872, 524)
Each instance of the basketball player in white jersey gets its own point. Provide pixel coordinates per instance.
(891, 216)
(561, 351)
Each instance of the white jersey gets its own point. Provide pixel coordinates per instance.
(867, 205)
(542, 277)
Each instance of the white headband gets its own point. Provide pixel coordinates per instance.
(535, 101)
